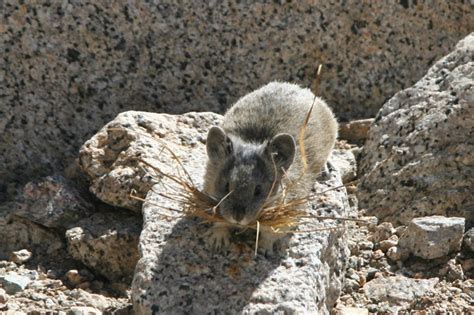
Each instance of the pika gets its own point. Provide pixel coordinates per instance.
(256, 144)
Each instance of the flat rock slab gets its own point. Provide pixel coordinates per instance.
(13, 283)
(398, 290)
(433, 237)
(177, 274)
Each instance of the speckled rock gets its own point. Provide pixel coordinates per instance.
(469, 239)
(345, 163)
(52, 202)
(107, 243)
(176, 272)
(21, 256)
(398, 290)
(113, 158)
(418, 159)
(433, 237)
(17, 233)
(66, 68)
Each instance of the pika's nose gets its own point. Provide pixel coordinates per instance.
(238, 216)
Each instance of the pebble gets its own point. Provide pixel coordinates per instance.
(20, 257)
(469, 239)
(366, 245)
(390, 242)
(3, 296)
(378, 254)
(395, 254)
(73, 277)
(382, 232)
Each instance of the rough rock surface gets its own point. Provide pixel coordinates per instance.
(113, 158)
(469, 239)
(398, 290)
(52, 202)
(17, 233)
(177, 273)
(433, 237)
(107, 243)
(418, 159)
(66, 68)
(345, 163)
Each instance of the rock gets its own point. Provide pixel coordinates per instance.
(83, 310)
(97, 301)
(107, 243)
(21, 256)
(113, 158)
(13, 283)
(378, 254)
(469, 239)
(388, 243)
(396, 254)
(176, 273)
(52, 202)
(18, 233)
(70, 83)
(454, 271)
(3, 296)
(355, 131)
(417, 160)
(74, 277)
(382, 232)
(433, 237)
(344, 161)
(351, 311)
(398, 290)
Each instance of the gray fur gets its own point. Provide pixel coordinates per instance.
(259, 132)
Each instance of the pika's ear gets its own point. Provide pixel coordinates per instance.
(282, 147)
(218, 145)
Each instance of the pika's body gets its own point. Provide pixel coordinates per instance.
(256, 144)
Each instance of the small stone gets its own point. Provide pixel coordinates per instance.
(21, 256)
(13, 283)
(366, 245)
(390, 242)
(49, 303)
(3, 296)
(454, 271)
(351, 285)
(378, 254)
(469, 239)
(395, 254)
(397, 290)
(382, 232)
(83, 310)
(467, 265)
(74, 277)
(400, 229)
(371, 222)
(433, 237)
(351, 311)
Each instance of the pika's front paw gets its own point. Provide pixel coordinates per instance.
(217, 237)
(266, 243)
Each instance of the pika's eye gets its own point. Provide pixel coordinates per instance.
(257, 191)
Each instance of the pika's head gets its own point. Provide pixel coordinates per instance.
(244, 173)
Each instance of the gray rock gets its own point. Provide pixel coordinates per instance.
(13, 283)
(103, 58)
(417, 160)
(3, 296)
(469, 239)
(107, 243)
(21, 256)
(345, 162)
(112, 159)
(355, 131)
(52, 202)
(176, 273)
(83, 310)
(433, 237)
(382, 232)
(17, 233)
(398, 290)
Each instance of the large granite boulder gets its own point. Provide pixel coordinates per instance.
(418, 159)
(176, 273)
(66, 68)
